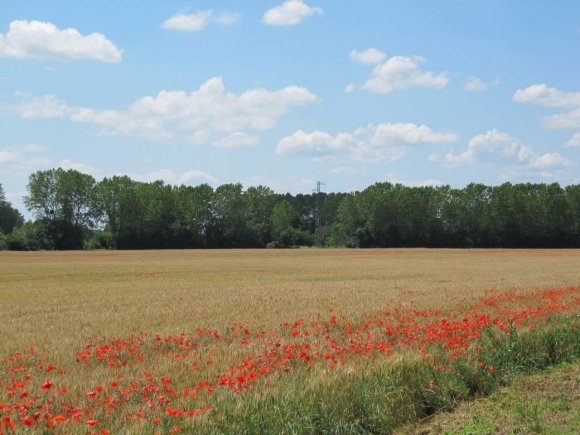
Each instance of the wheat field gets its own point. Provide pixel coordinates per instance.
(57, 302)
(57, 299)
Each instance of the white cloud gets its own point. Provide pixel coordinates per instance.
(210, 109)
(493, 145)
(44, 41)
(549, 97)
(188, 22)
(433, 157)
(549, 160)
(428, 182)
(370, 55)
(165, 175)
(195, 175)
(168, 176)
(399, 73)
(574, 141)
(197, 21)
(237, 139)
(317, 142)
(46, 106)
(497, 147)
(475, 84)
(80, 167)
(569, 119)
(200, 137)
(542, 95)
(289, 13)
(408, 133)
(350, 87)
(373, 142)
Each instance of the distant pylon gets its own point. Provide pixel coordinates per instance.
(317, 233)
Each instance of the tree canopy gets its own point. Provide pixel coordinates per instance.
(72, 210)
(10, 218)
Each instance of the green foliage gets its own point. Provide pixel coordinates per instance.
(10, 218)
(62, 202)
(98, 239)
(136, 215)
(32, 236)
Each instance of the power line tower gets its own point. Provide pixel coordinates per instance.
(317, 233)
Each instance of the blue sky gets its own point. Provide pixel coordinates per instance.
(287, 93)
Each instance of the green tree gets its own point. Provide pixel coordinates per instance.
(285, 231)
(111, 204)
(232, 230)
(350, 228)
(258, 205)
(63, 201)
(10, 218)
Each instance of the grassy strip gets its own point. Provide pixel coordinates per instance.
(381, 396)
(547, 402)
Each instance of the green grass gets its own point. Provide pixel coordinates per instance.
(547, 402)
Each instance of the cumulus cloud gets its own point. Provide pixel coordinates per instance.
(188, 22)
(350, 87)
(400, 73)
(197, 21)
(237, 139)
(315, 143)
(428, 182)
(44, 41)
(549, 160)
(197, 176)
(476, 84)
(542, 95)
(193, 176)
(206, 112)
(289, 13)
(370, 55)
(77, 166)
(569, 119)
(574, 141)
(373, 142)
(46, 106)
(200, 137)
(498, 147)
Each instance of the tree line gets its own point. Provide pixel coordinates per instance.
(72, 210)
